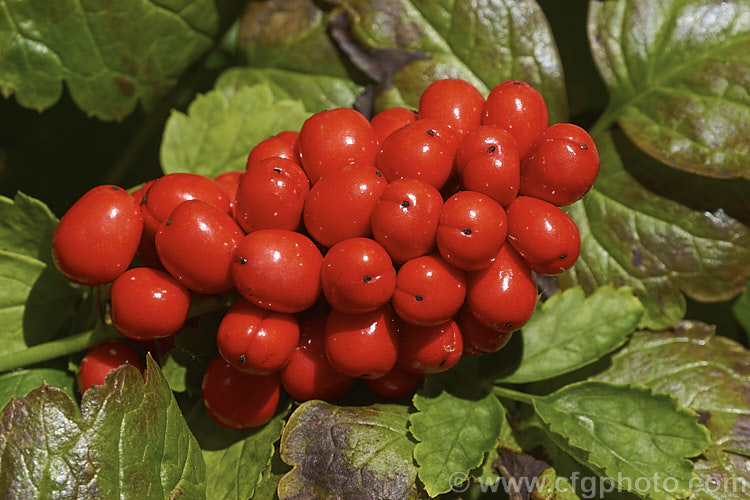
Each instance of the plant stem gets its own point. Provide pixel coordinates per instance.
(521, 397)
(58, 348)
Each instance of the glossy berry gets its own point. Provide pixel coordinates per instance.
(477, 337)
(237, 399)
(229, 182)
(484, 140)
(271, 195)
(278, 270)
(388, 121)
(148, 304)
(405, 219)
(423, 149)
(503, 295)
(454, 102)
(429, 291)
(196, 245)
(98, 236)
(429, 349)
(561, 165)
(543, 235)
(517, 107)
(256, 340)
(169, 191)
(397, 383)
(340, 206)
(333, 139)
(357, 276)
(102, 359)
(487, 161)
(362, 345)
(309, 374)
(273, 147)
(146, 248)
(471, 230)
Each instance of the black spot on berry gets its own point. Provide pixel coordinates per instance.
(442, 363)
(584, 146)
(377, 172)
(115, 188)
(144, 198)
(516, 82)
(492, 149)
(563, 256)
(405, 203)
(467, 230)
(277, 170)
(431, 133)
(508, 325)
(243, 260)
(367, 279)
(168, 222)
(419, 298)
(242, 358)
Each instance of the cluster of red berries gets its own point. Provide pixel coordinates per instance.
(420, 231)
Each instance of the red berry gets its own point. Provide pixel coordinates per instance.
(388, 121)
(357, 276)
(102, 359)
(503, 295)
(561, 165)
(543, 234)
(454, 102)
(517, 107)
(340, 206)
(397, 383)
(278, 270)
(271, 195)
(471, 231)
(273, 147)
(148, 304)
(423, 149)
(229, 182)
(291, 137)
(196, 245)
(333, 139)
(478, 338)
(169, 191)
(237, 399)
(256, 340)
(98, 236)
(405, 219)
(429, 291)
(482, 141)
(361, 345)
(429, 349)
(309, 374)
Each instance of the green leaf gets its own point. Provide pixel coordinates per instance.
(741, 310)
(627, 433)
(109, 56)
(707, 373)
(35, 300)
(235, 460)
(19, 383)
(348, 452)
(130, 441)
(677, 71)
(286, 43)
(485, 43)
(26, 226)
(316, 92)
(570, 331)
(722, 476)
(633, 235)
(454, 428)
(219, 131)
